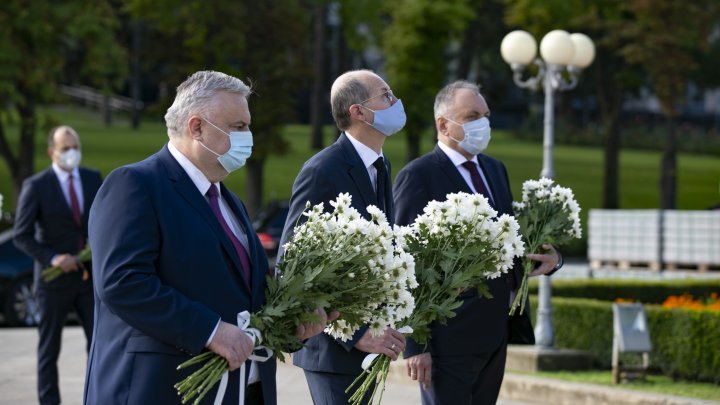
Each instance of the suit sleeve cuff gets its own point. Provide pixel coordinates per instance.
(212, 335)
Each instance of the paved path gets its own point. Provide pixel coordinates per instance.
(18, 380)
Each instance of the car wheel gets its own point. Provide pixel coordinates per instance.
(21, 306)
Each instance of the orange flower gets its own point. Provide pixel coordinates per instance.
(686, 301)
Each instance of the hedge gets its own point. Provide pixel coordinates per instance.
(686, 343)
(647, 292)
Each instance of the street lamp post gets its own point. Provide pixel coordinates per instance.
(561, 52)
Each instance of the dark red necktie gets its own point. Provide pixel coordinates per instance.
(212, 194)
(477, 180)
(75, 207)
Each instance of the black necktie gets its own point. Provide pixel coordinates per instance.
(381, 183)
(477, 180)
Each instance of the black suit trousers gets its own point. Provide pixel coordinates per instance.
(55, 306)
(468, 379)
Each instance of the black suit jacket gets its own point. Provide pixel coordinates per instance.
(480, 324)
(334, 170)
(44, 225)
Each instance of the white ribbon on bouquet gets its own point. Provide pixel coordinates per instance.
(367, 361)
(243, 322)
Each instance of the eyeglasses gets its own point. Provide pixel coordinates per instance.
(389, 96)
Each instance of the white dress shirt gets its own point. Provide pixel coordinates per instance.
(458, 159)
(64, 179)
(203, 184)
(368, 157)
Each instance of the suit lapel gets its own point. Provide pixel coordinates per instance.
(84, 185)
(357, 172)
(452, 173)
(234, 205)
(496, 183)
(187, 190)
(389, 201)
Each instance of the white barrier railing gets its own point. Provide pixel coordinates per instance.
(633, 236)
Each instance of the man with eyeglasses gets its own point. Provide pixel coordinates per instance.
(366, 111)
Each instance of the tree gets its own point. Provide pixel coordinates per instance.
(262, 41)
(612, 76)
(416, 45)
(667, 40)
(319, 74)
(42, 46)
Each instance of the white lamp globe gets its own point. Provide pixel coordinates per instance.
(584, 50)
(518, 47)
(557, 48)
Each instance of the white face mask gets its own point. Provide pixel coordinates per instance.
(70, 159)
(241, 143)
(477, 135)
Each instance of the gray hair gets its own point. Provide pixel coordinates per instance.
(346, 91)
(446, 96)
(195, 94)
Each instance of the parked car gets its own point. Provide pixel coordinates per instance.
(269, 226)
(18, 303)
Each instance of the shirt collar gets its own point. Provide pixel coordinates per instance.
(455, 157)
(197, 177)
(367, 155)
(62, 175)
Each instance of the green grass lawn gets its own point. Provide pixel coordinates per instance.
(655, 384)
(579, 168)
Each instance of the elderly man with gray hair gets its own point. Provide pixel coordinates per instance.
(464, 362)
(176, 258)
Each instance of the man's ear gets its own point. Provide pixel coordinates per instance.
(356, 112)
(194, 126)
(441, 125)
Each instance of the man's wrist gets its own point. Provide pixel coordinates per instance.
(558, 265)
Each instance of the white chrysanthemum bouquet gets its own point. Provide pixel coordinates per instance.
(457, 244)
(547, 214)
(336, 260)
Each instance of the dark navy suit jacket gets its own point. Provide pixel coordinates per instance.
(481, 324)
(44, 225)
(165, 273)
(334, 170)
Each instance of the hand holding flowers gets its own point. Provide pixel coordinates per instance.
(547, 214)
(457, 244)
(335, 260)
(57, 269)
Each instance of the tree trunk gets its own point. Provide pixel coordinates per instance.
(26, 154)
(317, 97)
(136, 84)
(467, 50)
(413, 141)
(254, 186)
(668, 171)
(611, 175)
(610, 95)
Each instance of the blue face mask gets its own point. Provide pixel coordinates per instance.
(390, 120)
(241, 143)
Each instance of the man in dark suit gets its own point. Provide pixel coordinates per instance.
(176, 258)
(367, 112)
(464, 361)
(51, 227)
